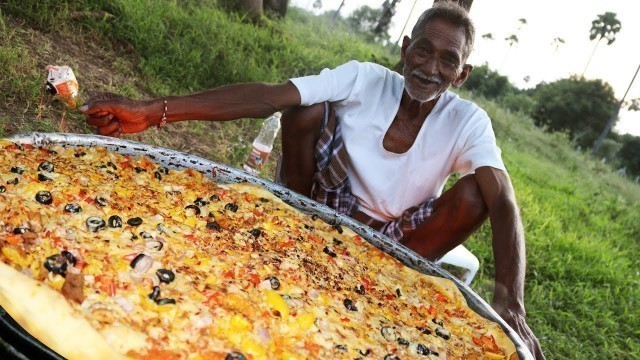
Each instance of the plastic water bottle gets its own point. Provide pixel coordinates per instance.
(263, 144)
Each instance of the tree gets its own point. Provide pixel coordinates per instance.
(576, 106)
(388, 10)
(256, 8)
(604, 26)
(512, 40)
(488, 83)
(630, 154)
(614, 116)
(364, 20)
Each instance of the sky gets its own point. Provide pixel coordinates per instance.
(535, 56)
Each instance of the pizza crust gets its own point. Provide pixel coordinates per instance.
(30, 303)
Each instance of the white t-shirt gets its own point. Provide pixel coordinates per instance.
(456, 137)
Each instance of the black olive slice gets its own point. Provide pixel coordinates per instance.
(20, 231)
(443, 333)
(146, 235)
(135, 221)
(165, 276)
(235, 356)
(157, 175)
(349, 305)
(194, 208)
(95, 223)
(364, 353)
(13, 182)
(73, 208)
(328, 251)
(359, 289)
(46, 166)
(200, 202)
(163, 170)
(17, 170)
(423, 330)
(101, 201)
(112, 165)
(80, 154)
(231, 207)
(255, 232)
(388, 333)
(165, 301)
(44, 197)
(56, 264)
(403, 341)
(341, 347)
(43, 178)
(2, 189)
(114, 221)
(155, 293)
(274, 282)
(422, 350)
(437, 321)
(398, 292)
(214, 197)
(391, 357)
(212, 225)
(337, 242)
(69, 257)
(139, 169)
(338, 229)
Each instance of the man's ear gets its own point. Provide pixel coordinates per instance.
(464, 75)
(405, 44)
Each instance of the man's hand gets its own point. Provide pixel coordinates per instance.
(516, 319)
(114, 114)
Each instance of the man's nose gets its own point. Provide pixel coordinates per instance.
(431, 66)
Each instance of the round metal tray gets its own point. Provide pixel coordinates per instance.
(25, 344)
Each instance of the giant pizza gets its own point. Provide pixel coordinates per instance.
(133, 260)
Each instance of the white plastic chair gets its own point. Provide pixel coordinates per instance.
(461, 263)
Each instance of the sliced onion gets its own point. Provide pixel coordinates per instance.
(141, 263)
(124, 303)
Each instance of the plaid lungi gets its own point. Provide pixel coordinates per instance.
(331, 184)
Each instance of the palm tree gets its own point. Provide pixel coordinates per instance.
(604, 26)
(488, 36)
(557, 42)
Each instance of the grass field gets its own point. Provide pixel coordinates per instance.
(581, 220)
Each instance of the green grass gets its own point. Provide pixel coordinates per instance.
(581, 220)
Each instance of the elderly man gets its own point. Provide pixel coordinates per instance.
(379, 147)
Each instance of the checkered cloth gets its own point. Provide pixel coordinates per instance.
(331, 184)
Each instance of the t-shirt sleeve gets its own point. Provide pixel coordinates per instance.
(330, 85)
(480, 148)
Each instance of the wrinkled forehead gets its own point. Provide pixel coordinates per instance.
(444, 32)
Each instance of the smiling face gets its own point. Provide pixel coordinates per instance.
(434, 60)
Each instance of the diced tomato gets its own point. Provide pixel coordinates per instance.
(125, 164)
(13, 239)
(489, 343)
(357, 239)
(28, 146)
(106, 284)
(316, 239)
(389, 297)
(288, 244)
(441, 298)
(477, 341)
(366, 283)
(130, 257)
(433, 311)
(247, 198)
(12, 147)
(229, 274)
(345, 319)
(255, 279)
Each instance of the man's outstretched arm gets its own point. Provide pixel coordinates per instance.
(509, 252)
(114, 114)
